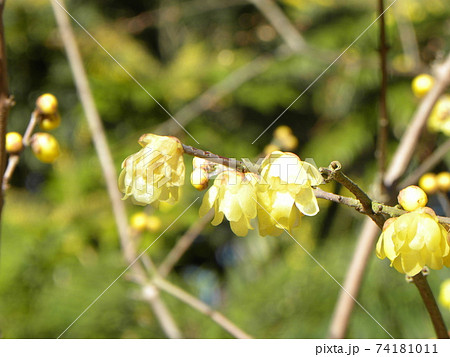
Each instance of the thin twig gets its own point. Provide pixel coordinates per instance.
(430, 303)
(183, 244)
(202, 307)
(383, 120)
(427, 165)
(101, 145)
(405, 150)
(14, 159)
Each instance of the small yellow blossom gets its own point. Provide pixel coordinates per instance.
(155, 173)
(285, 192)
(233, 195)
(444, 295)
(414, 240)
(439, 119)
(412, 197)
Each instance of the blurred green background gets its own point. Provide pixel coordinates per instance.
(59, 246)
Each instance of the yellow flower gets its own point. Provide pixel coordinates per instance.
(444, 295)
(155, 173)
(439, 119)
(233, 195)
(414, 240)
(285, 192)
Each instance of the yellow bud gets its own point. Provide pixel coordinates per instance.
(199, 179)
(45, 147)
(428, 183)
(412, 197)
(282, 131)
(153, 223)
(289, 142)
(47, 104)
(422, 84)
(270, 148)
(138, 221)
(443, 181)
(50, 122)
(14, 142)
(444, 295)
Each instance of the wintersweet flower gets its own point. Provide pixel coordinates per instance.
(155, 173)
(285, 192)
(414, 240)
(444, 295)
(233, 196)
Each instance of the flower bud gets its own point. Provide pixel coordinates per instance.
(428, 183)
(282, 131)
(47, 104)
(412, 197)
(153, 223)
(199, 179)
(14, 143)
(45, 147)
(422, 84)
(270, 148)
(443, 181)
(138, 221)
(50, 122)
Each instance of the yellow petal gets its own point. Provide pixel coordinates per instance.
(307, 202)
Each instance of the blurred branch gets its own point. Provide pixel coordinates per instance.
(383, 120)
(183, 244)
(405, 150)
(407, 34)
(14, 159)
(427, 165)
(136, 24)
(201, 307)
(281, 23)
(430, 303)
(6, 102)
(101, 145)
(355, 273)
(212, 95)
(366, 240)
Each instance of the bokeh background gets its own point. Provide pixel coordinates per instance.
(60, 247)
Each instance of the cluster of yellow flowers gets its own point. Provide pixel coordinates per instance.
(278, 195)
(415, 239)
(155, 173)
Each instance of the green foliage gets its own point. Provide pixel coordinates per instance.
(60, 248)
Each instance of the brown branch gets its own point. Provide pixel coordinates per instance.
(430, 303)
(230, 162)
(202, 307)
(383, 120)
(333, 172)
(109, 172)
